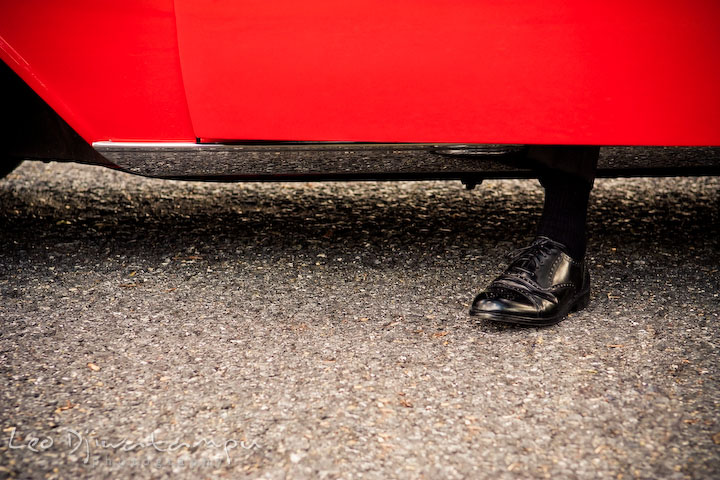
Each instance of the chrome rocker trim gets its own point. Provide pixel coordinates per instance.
(281, 161)
(288, 160)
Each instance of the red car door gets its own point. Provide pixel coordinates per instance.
(534, 71)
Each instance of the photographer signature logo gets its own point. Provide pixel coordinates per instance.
(87, 444)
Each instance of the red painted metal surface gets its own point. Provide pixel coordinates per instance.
(110, 69)
(536, 71)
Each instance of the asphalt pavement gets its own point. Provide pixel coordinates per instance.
(166, 329)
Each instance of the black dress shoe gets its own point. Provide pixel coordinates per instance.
(540, 287)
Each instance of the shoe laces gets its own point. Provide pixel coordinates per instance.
(525, 261)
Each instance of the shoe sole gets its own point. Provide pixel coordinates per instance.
(579, 303)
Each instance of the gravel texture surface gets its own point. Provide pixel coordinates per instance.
(296, 330)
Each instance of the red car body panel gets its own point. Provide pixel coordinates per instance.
(520, 72)
(110, 69)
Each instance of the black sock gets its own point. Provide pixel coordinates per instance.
(565, 211)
